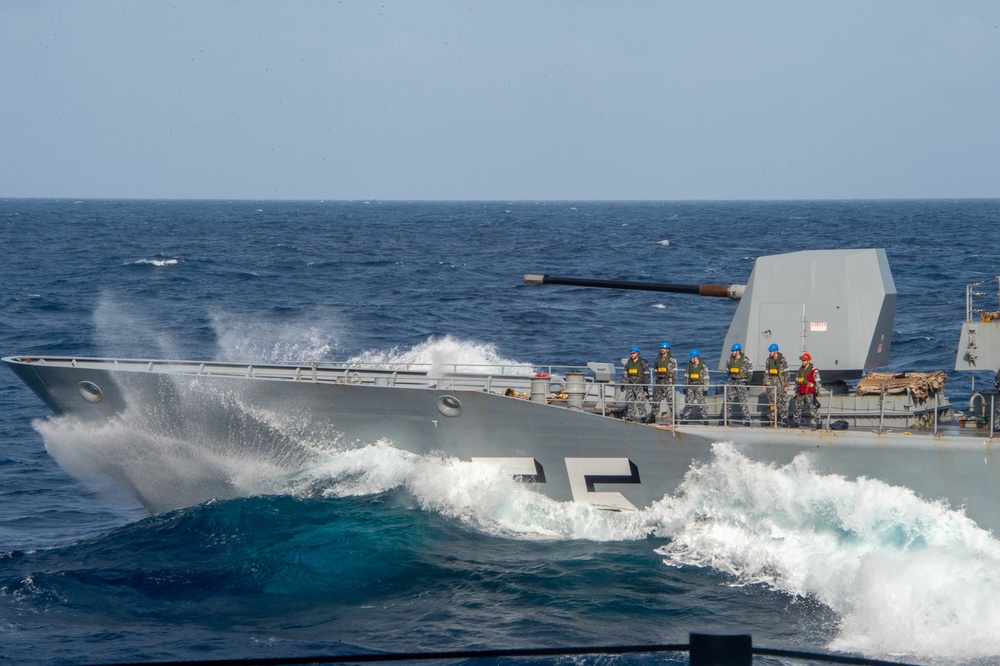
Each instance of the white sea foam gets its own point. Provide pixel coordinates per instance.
(907, 577)
(478, 494)
(159, 263)
(664, 243)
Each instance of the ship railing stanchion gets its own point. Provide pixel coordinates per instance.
(678, 411)
(935, 412)
(993, 414)
(881, 407)
(777, 410)
(829, 410)
(725, 405)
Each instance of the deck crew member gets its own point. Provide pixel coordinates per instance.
(740, 369)
(664, 377)
(776, 385)
(635, 380)
(807, 387)
(694, 393)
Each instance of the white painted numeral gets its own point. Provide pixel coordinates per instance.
(527, 468)
(585, 472)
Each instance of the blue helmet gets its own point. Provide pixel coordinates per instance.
(665, 345)
(694, 352)
(738, 347)
(633, 348)
(772, 347)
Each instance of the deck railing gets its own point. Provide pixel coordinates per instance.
(596, 393)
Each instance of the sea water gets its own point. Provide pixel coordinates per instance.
(377, 549)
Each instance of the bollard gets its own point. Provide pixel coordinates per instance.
(575, 389)
(721, 650)
(540, 388)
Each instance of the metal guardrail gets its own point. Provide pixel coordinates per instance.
(538, 383)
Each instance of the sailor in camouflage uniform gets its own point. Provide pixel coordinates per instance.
(739, 369)
(776, 384)
(694, 394)
(807, 387)
(635, 380)
(664, 377)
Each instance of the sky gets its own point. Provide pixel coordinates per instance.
(500, 99)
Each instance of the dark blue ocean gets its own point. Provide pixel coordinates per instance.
(389, 562)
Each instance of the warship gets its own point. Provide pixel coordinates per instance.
(562, 429)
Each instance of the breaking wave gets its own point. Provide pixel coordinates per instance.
(907, 578)
(159, 263)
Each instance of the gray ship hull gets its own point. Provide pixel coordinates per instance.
(282, 417)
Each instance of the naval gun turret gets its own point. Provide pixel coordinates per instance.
(838, 305)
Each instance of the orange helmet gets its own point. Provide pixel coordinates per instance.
(806, 357)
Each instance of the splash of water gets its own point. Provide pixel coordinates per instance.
(480, 495)
(124, 331)
(908, 578)
(314, 336)
(444, 354)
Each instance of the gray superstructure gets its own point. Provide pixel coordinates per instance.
(979, 343)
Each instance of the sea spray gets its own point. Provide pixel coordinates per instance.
(127, 332)
(443, 354)
(907, 577)
(162, 470)
(316, 335)
(478, 494)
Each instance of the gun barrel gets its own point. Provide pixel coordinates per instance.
(734, 291)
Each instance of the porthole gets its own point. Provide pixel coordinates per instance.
(449, 405)
(91, 392)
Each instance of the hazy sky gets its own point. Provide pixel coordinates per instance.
(544, 99)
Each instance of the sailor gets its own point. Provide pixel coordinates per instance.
(664, 377)
(635, 380)
(807, 387)
(776, 384)
(694, 393)
(740, 369)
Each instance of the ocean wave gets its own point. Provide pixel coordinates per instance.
(908, 578)
(159, 263)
